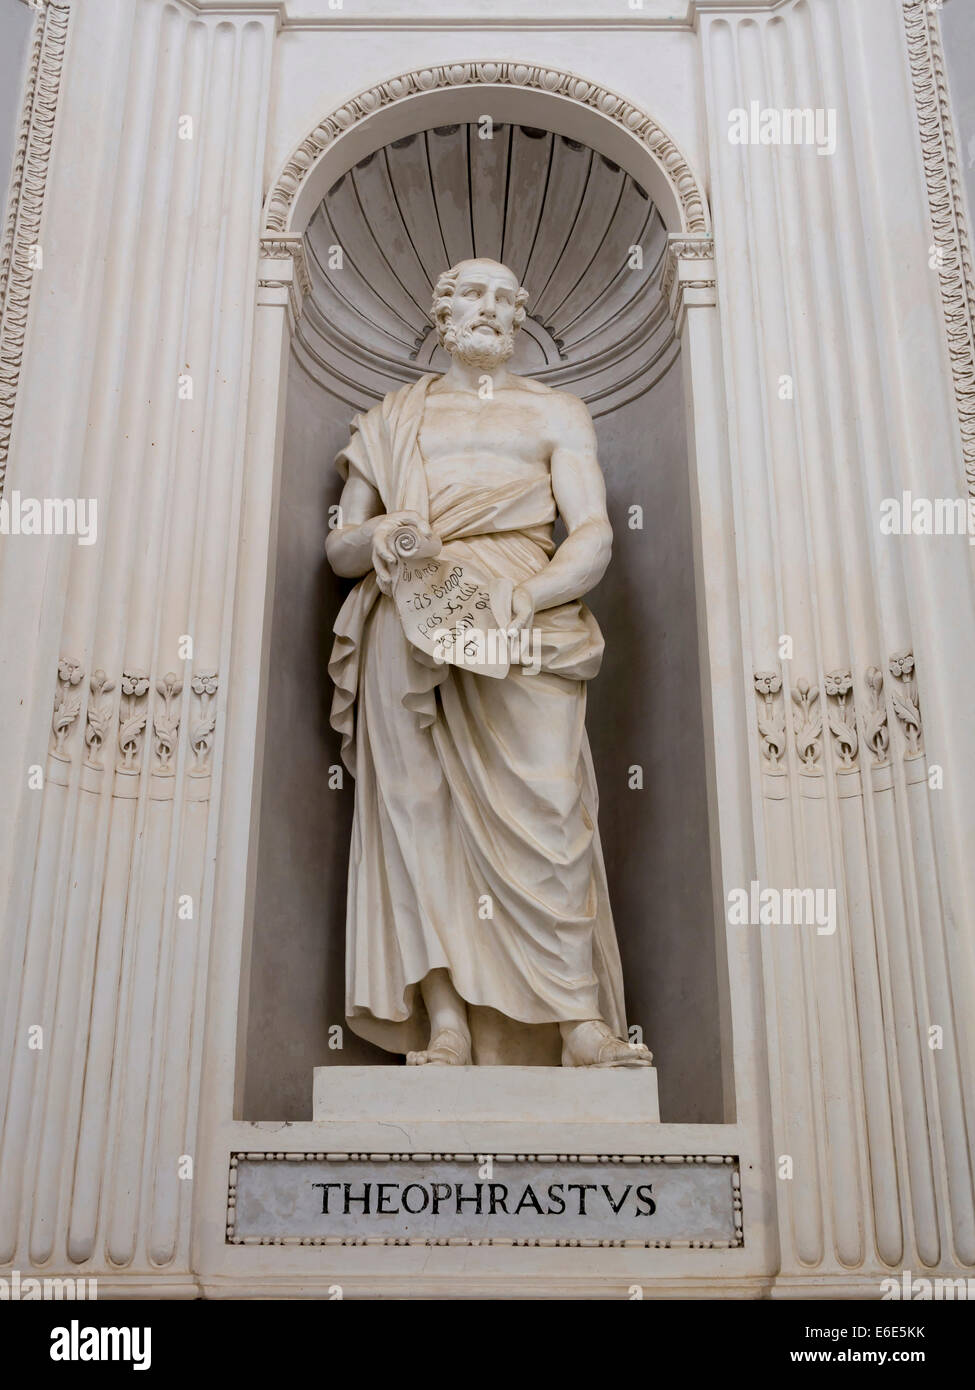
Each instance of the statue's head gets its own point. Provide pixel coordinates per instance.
(477, 306)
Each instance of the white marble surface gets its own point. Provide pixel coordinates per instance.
(562, 1094)
(540, 1200)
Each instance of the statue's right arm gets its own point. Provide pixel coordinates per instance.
(349, 546)
(361, 542)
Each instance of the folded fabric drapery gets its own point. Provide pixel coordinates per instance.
(475, 845)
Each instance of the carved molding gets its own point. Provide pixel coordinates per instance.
(947, 207)
(664, 150)
(67, 705)
(875, 716)
(165, 723)
(681, 248)
(771, 720)
(100, 713)
(138, 711)
(807, 724)
(841, 715)
(25, 206)
(204, 687)
(133, 711)
(904, 698)
(299, 283)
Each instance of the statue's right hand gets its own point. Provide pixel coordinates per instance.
(384, 558)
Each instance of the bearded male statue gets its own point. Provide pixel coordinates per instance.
(479, 927)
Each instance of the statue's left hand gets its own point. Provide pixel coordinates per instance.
(522, 610)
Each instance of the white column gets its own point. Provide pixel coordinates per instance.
(117, 855)
(832, 409)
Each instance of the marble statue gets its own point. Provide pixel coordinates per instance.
(477, 902)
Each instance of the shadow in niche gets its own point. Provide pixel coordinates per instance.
(354, 1051)
(644, 707)
(644, 711)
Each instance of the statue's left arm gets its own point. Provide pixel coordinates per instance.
(580, 495)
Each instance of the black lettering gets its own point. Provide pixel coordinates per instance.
(441, 1191)
(476, 1199)
(553, 1196)
(498, 1201)
(651, 1204)
(423, 1193)
(582, 1188)
(617, 1206)
(325, 1186)
(381, 1198)
(364, 1199)
(528, 1198)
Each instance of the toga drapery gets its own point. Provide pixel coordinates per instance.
(469, 790)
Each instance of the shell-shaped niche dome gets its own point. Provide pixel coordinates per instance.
(582, 236)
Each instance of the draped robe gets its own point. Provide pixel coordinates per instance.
(475, 845)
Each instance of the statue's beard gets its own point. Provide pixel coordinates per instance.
(476, 351)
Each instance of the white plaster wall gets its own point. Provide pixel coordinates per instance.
(340, 61)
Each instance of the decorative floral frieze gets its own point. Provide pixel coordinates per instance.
(100, 714)
(947, 207)
(771, 719)
(904, 698)
(876, 733)
(25, 203)
(133, 709)
(807, 723)
(204, 686)
(847, 723)
(138, 711)
(67, 704)
(165, 722)
(637, 123)
(841, 716)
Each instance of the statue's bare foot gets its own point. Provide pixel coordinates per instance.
(593, 1044)
(448, 1048)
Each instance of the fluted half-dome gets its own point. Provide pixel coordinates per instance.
(581, 235)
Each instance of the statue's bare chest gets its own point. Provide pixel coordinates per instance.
(511, 429)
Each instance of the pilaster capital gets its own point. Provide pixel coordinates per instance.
(689, 276)
(282, 273)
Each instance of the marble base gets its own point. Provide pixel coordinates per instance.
(551, 1094)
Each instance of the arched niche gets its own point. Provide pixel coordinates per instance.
(516, 93)
(645, 708)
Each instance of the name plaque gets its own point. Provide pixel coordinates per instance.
(671, 1200)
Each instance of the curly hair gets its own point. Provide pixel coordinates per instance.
(443, 294)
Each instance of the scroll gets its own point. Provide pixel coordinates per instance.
(451, 609)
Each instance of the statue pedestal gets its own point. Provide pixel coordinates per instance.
(569, 1095)
(486, 1156)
